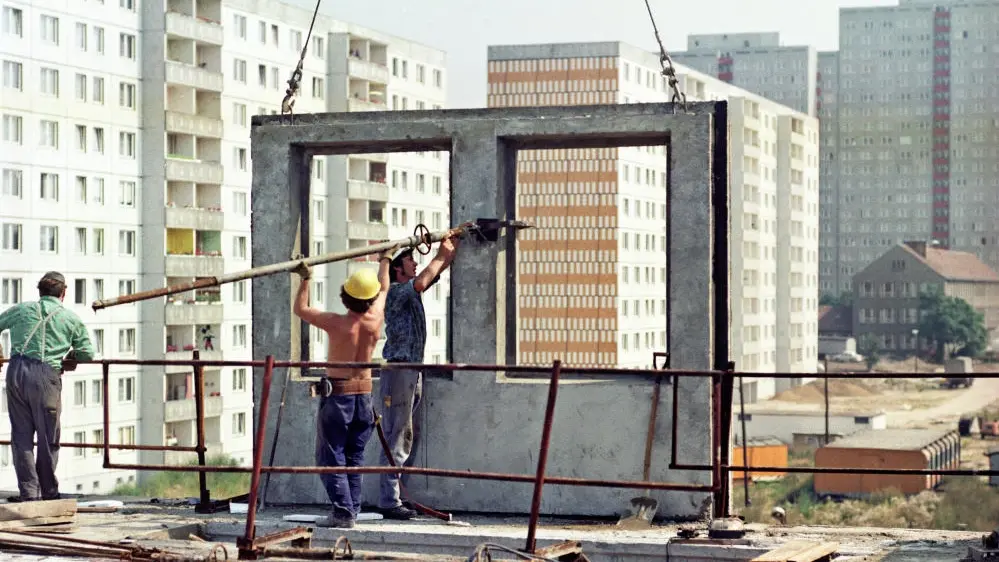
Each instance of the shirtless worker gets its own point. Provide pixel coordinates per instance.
(346, 418)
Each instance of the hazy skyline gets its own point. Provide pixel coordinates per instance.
(464, 29)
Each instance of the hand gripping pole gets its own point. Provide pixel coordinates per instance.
(485, 230)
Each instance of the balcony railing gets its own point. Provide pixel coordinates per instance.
(358, 104)
(182, 25)
(193, 76)
(195, 218)
(367, 231)
(186, 409)
(181, 354)
(197, 125)
(196, 171)
(367, 70)
(369, 190)
(185, 314)
(180, 265)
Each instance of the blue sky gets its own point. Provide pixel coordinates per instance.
(464, 28)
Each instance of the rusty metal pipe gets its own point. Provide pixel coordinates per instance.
(287, 266)
(745, 445)
(205, 500)
(848, 470)
(105, 393)
(546, 439)
(716, 435)
(440, 472)
(258, 452)
(111, 446)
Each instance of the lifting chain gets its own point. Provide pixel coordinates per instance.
(294, 84)
(668, 71)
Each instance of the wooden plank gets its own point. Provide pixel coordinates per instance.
(818, 552)
(37, 521)
(784, 552)
(30, 510)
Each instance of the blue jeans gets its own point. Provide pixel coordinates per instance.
(400, 392)
(344, 427)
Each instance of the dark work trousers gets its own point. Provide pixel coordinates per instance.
(400, 392)
(34, 403)
(344, 425)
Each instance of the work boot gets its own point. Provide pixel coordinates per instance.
(338, 521)
(399, 513)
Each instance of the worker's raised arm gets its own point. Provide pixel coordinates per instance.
(301, 307)
(430, 274)
(384, 277)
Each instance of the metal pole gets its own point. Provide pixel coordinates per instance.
(199, 404)
(546, 438)
(826, 394)
(105, 377)
(745, 444)
(410, 241)
(258, 456)
(277, 436)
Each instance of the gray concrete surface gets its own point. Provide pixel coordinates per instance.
(486, 422)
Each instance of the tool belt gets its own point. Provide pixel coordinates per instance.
(343, 387)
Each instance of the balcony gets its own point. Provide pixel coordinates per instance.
(367, 70)
(182, 457)
(193, 76)
(358, 104)
(186, 410)
(367, 231)
(194, 218)
(180, 265)
(182, 25)
(184, 314)
(193, 171)
(187, 355)
(355, 266)
(196, 125)
(368, 190)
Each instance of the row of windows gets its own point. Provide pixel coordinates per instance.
(86, 190)
(86, 89)
(86, 38)
(49, 240)
(84, 139)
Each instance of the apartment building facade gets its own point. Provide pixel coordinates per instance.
(591, 277)
(167, 199)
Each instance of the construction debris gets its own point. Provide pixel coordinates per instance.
(47, 514)
(800, 551)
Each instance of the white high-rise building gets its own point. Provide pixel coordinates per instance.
(612, 246)
(126, 165)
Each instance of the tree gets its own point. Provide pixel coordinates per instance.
(869, 348)
(951, 324)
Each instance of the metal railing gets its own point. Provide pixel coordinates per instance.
(719, 481)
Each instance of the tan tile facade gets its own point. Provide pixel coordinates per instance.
(567, 266)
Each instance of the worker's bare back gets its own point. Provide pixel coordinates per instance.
(352, 339)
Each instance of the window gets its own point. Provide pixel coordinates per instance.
(421, 74)
(438, 79)
(126, 286)
(99, 290)
(126, 243)
(81, 36)
(13, 75)
(50, 29)
(126, 193)
(49, 135)
(97, 390)
(81, 138)
(239, 114)
(10, 293)
(239, 423)
(13, 129)
(49, 242)
(13, 21)
(437, 185)
(239, 291)
(126, 145)
(98, 339)
(13, 183)
(239, 247)
(239, 336)
(127, 5)
(318, 90)
(126, 435)
(126, 46)
(318, 50)
(79, 436)
(239, 24)
(97, 95)
(239, 203)
(239, 70)
(10, 237)
(99, 241)
(126, 95)
(436, 327)
(126, 389)
(81, 241)
(296, 39)
(319, 210)
(97, 191)
(437, 221)
(99, 40)
(239, 380)
(126, 345)
(80, 291)
(79, 399)
(49, 81)
(239, 158)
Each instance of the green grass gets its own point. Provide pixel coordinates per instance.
(960, 503)
(185, 484)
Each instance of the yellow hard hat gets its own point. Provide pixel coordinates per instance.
(363, 285)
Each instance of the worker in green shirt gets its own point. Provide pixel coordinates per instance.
(45, 339)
